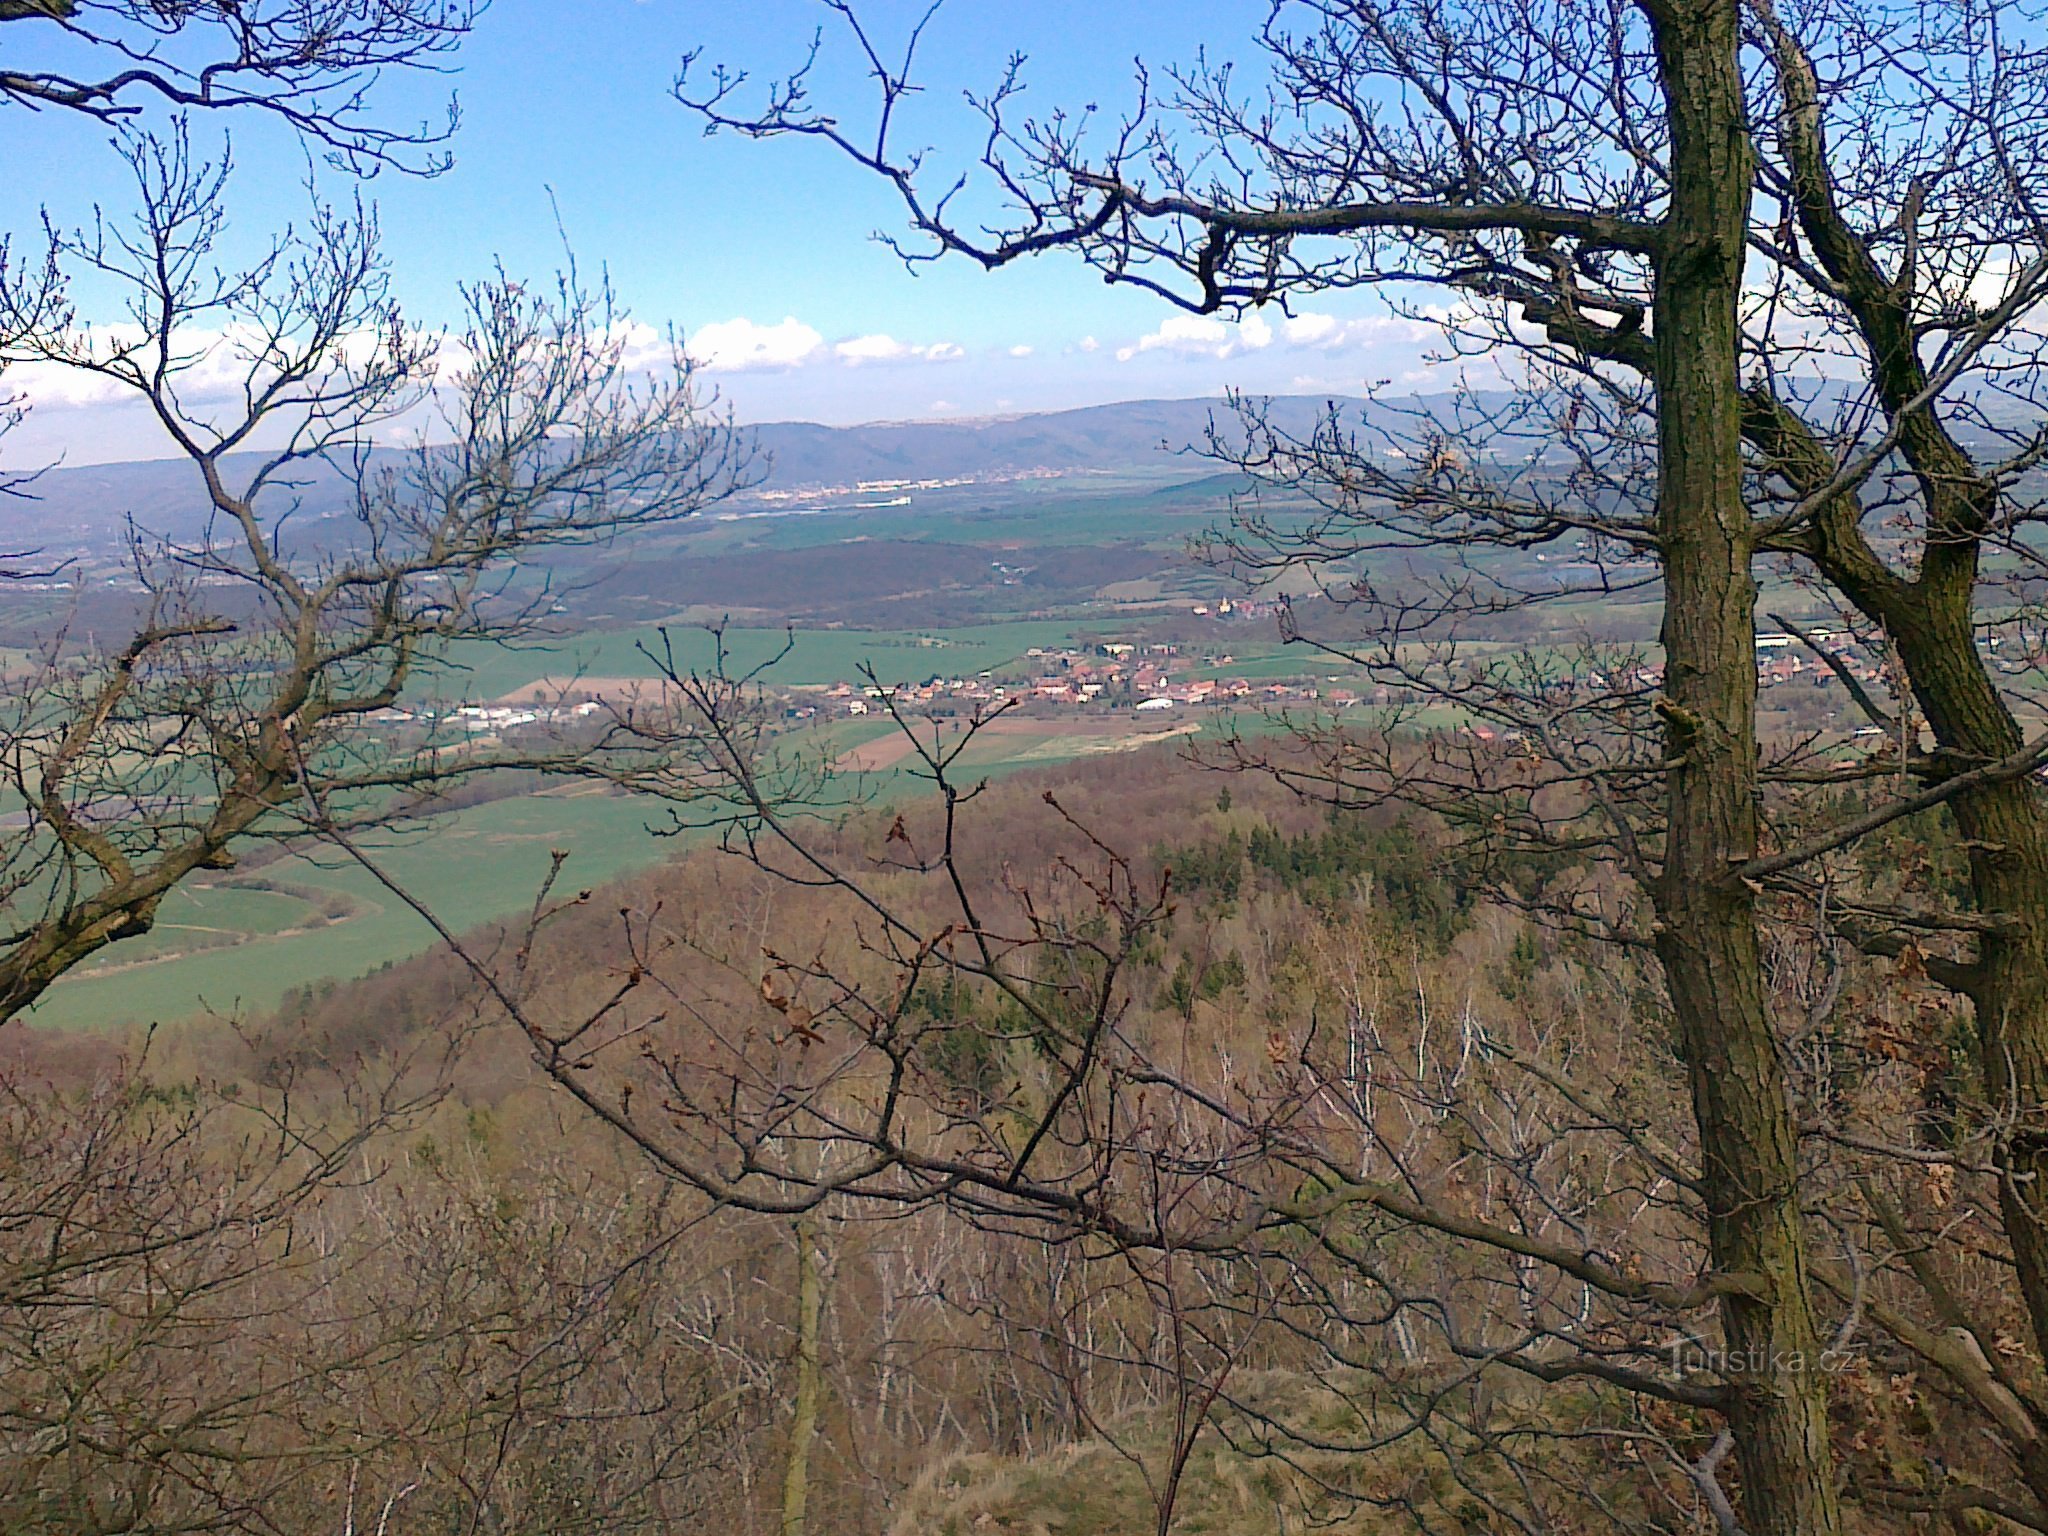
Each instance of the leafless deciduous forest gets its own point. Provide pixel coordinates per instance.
(1611, 1119)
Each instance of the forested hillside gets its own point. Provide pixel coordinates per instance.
(381, 1262)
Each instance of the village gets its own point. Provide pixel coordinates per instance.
(1161, 676)
(1149, 676)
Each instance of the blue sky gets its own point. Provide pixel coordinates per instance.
(759, 252)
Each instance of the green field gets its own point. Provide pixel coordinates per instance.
(1255, 662)
(815, 656)
(470, 868)
(216, 914)
(226, 946)
(237, 943)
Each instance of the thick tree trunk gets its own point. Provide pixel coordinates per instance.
(1707, 936)
(2006, 830)
(1931, 620)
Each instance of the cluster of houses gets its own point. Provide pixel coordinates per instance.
(1241, 610)
(1780, 659)
(1150, 677)
(1155, 677)
(1117, 675)
(1786, 659)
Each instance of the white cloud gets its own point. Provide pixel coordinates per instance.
(210, 367)
(54, 387)
(1311, 330)
(1022, 351)
(887, 349)
(215, 365)
(740, 345)
(872, 349)
(1208, 336)
(1327, 333)
(1087, 344)
(1202, 336)
(644, 349)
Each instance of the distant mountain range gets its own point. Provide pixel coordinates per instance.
(1132, 434)
(76, 511)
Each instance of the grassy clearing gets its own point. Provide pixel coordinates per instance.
(1001, 746)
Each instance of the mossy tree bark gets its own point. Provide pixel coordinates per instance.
(1707, 926)
(1930, 617)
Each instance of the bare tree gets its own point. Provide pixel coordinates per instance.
(266, 656)
(153, 1239)
(1762, 283)
(1610, 141)
(263, 1302)
(312, 65)
(270, 1299)
(1424, 1231)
